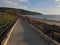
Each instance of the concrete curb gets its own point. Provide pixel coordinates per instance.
(9, 34)
(45, 37)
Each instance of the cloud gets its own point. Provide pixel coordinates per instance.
(57, 3)
(52, 11)
(15, 3)
(57, 0)
(22, 0)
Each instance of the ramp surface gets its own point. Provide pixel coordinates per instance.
(23, 34)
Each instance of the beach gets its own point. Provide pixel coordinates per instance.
(51, 22)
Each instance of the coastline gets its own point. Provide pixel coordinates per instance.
(51, 22)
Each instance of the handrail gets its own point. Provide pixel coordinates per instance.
(47, 29)
(4, 33)
(4, 25)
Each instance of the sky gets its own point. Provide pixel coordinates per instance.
(41, 6)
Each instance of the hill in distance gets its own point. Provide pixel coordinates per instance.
(18, 11)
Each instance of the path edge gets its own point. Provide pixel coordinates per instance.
(9, 34)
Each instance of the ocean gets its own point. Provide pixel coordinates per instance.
(50, 17)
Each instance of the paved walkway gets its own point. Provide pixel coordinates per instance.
(23, 34)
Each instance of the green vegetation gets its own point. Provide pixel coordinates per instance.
(6, 19)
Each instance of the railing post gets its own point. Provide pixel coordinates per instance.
(38, 25)
(44, 28)
(53, 32)
(0, 43)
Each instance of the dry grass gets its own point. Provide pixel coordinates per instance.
(7, 17)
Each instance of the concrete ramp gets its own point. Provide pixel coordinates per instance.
(23, 34)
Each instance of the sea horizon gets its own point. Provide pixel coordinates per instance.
(50, 17)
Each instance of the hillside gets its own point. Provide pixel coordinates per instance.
(18, 11)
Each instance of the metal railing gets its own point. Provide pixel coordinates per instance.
(6, 28)
(50, 30)
(53, 31)
(2, 33)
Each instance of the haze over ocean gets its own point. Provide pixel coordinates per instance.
(51, 17)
